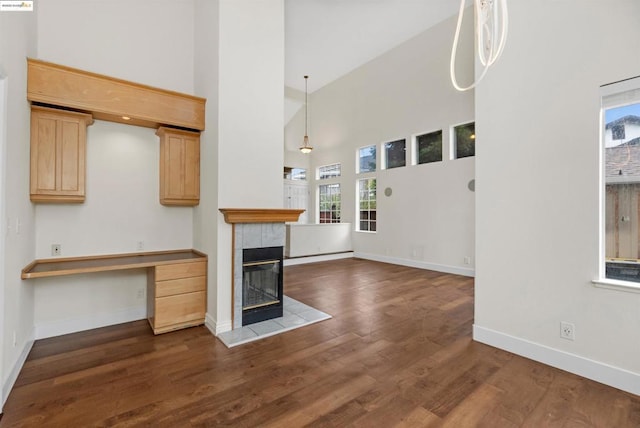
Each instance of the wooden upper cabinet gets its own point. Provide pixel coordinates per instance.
(179, 167)
(58, 155)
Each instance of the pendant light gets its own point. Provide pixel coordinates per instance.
(305, 148)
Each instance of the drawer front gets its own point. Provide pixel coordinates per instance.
(180, 270)
(180, 286)
(179, 308)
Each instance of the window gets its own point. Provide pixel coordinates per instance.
(429, 147)
(464, 140)
(621, 146)
(367, 204)
(367, 159)
(394, 154)
(329, 171)
(329, 203)
(295, 173)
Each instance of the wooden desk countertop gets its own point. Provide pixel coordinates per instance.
(75, 265)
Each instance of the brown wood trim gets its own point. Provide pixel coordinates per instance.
(43, 268)
(109, 98)
(259, 215)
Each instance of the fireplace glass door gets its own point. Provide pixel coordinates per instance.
(261, 284)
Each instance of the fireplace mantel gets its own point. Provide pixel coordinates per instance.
(260, 215)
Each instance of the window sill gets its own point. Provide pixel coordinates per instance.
(616, 284)
(366, 231)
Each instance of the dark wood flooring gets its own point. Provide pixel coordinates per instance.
(397, 352)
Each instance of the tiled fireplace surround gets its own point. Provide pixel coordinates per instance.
(251, 235)
(253, 228)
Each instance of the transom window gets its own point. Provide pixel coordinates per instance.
(367, 205)
(395, 153)
(428, 147)
(367, 159)
(329, 171)
(329, 203)
(464, 140)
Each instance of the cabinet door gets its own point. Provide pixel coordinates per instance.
(179, 167)
(58, 147)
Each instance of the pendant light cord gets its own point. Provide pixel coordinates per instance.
(305, 105)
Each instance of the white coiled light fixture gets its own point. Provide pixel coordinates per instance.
(491, 26)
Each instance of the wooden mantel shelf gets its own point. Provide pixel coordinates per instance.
(259, 215)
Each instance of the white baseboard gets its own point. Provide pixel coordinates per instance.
(417, 264)
(585, 367)
(319, 258)
(15, 371)
(73, 325)
(216, 328)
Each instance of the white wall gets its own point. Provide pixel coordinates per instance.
(147, 42)
(205, 230)
(537, 206)
(17, 41)
(429, 219)
(250, 121)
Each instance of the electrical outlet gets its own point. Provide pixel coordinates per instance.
(140, 293)
(140, 245)
(467, 260)
(15, 339)
(56, 249)
(567, 330)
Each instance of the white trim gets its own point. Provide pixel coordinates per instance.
(418, 264)
(319, 258)
(44, 330)
(600, 372)
(15, 371)
(214, 327)
(3, 217)
(616, 284)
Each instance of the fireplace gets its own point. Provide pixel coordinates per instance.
(261, 284)
(258, 239)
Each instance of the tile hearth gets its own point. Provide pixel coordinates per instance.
(295, 315)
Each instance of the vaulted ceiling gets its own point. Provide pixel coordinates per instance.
(326, 39)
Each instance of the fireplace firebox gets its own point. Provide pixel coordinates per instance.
(262, 295)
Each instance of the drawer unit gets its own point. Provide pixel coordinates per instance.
(176, 296)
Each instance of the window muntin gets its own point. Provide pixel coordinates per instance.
(395, 153)
(428, 147)
(329, 203)
(329, 171)
(367, 216)
(621, 193)
(367, 159)
(464, 140)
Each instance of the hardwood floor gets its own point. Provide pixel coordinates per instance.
(397, 352)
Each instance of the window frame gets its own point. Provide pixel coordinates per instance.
(385, 154)
(375, 158)
(358, 209)
(415, 152)
(339, 210)
(319, 174)
(618, 94)
(453, 140)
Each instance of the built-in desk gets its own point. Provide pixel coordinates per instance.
(176, 281)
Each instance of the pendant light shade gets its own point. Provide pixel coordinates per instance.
(305, 148)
